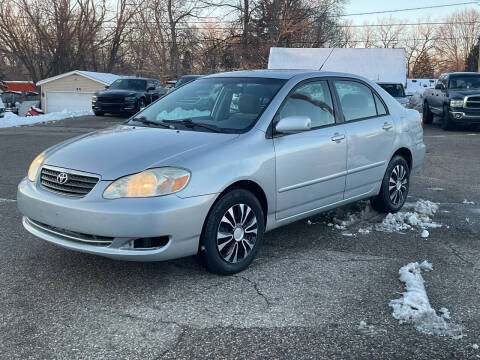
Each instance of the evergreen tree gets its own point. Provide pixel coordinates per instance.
(471, 64)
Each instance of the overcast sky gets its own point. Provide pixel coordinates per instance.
(361, 6)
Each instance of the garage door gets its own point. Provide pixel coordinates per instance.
(70, 101)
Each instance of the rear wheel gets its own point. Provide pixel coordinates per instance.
(395, 185)
(233, 233)
(447, 123)
(427, 114)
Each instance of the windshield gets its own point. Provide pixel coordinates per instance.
(184, 80)
(10, 98)
(464, 82)
(396, 90)
(129, 84)
(228, 104)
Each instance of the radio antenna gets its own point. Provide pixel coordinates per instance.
(331, 51)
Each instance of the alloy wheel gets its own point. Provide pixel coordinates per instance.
(397, 184)
(237, 233)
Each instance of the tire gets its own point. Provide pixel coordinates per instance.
(397, 171)
(99, 113)
(447, 123)
(233, 233)
(141, 104)
(427, 114)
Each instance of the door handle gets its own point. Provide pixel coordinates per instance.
(387, 126)
(338, 137)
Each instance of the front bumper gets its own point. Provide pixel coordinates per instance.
(179, 219)
(466, 118)
(115, 108)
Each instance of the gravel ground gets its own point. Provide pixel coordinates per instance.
(303, 297)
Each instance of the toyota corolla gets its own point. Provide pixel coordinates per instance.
(209, 168)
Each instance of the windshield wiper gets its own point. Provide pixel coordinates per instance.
(190, 124)
(144, 120)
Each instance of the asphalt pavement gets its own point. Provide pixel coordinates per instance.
(302, 298)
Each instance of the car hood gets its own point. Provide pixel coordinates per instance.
(124, 150)
(116, 93)
(462, 93)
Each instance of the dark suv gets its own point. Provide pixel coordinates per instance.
(127, 95)
(456, 98)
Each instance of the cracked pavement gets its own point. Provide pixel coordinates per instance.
(304, 297)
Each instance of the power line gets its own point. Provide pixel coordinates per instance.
(409, 9)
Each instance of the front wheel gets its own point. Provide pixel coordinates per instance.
(233, 233)
(447, 123)
(141, 104)
(395, 185)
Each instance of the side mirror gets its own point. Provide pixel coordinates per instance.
(150, 88)
(439, 87)
(107, 86)
(293, 124)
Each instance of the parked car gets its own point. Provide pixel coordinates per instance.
(11, 99)
(185, 79)
(127, 95)
(210, 167)
(397, 91)
(455, 98)
(2, 109)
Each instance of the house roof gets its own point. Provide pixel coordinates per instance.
(103, 78)
(23, 86)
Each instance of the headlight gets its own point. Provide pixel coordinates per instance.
(148, 183)
(130, 98)
(35, 166)
(456, 103)
(94, 98)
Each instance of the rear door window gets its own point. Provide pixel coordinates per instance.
(380, 107)
(356, 100)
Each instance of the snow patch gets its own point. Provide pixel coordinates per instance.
(11, 119)
(425, 234)
(366, 329)
(420, 217)
(414, 307)
(475, 346)
(465, 201)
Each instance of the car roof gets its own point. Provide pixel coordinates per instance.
(281, 74)
(462, 73)
(135, 78)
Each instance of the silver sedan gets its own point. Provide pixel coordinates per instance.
(209, 168)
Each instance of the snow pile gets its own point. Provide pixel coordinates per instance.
(420, 217)
(465, 201)
(416, 101)
(11, 119)
(414, 307)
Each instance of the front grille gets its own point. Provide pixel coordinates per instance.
(110, 100)
(70, 235)
(473, 102)
(75, 185)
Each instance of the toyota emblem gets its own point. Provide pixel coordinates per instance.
(62, 178)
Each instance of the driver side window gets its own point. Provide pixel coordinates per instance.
(312, 99)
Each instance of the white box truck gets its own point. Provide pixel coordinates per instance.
(387, 67)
